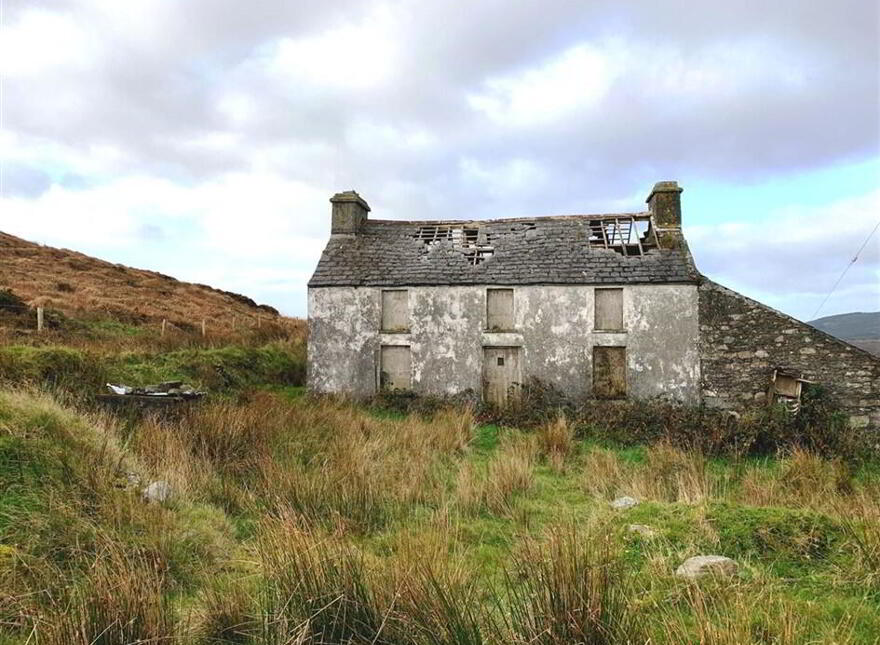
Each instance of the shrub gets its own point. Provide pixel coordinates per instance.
(538, 402)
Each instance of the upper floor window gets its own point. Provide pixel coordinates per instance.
(609, 310)
(499, 309)
(395, 311)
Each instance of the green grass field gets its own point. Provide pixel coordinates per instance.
(301, 520)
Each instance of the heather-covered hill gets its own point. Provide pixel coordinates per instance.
(78, 284)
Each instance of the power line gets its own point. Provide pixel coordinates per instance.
(851, 262)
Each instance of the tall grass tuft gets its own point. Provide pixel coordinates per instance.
(556, 441)
(120, 601)
(570, 589)
(437, 603)
(317, 589)
(495, 487)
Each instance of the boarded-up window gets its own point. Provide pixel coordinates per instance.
(609, 372)
(395, 311)
(396, 368)
(609, 309)
(499, 309)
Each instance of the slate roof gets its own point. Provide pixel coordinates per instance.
(542, 250)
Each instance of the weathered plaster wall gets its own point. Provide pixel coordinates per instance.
(554, 327)
(742, 341)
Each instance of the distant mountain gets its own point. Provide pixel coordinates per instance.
(862, 329)
(861, 325)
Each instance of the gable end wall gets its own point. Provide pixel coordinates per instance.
(742, 341)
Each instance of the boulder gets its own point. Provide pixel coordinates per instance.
(158, 491)
(704, 565)
(624, 502)
(642, 530)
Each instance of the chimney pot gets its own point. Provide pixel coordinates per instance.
(665, 204)
(348, 213)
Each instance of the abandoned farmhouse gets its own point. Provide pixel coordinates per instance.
(599, 306)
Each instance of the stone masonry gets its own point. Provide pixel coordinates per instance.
(742, 341)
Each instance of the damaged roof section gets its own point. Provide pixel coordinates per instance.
(627, 234)
(465, 239)
(573, 249)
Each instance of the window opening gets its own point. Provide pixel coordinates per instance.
(609, 309)
(499, 310)
(786, 387)
(395, 368)
(500, 361)
(395, 311)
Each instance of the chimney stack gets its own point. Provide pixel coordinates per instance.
(349, 212)
(664, 203)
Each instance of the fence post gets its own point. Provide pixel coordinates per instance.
(39, 319)
(203, 327)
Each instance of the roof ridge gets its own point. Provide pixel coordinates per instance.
(578, 216)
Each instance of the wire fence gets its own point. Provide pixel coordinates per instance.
(202, 326)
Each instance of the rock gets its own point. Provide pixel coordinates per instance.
(703, 565)
(624, 502)
(158, 491)
(642, 529)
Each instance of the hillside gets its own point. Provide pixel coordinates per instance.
(865, 325)
(862, 329)
(78, 284)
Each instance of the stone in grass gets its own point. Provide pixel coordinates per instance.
(642, 530)
(704, 565)
(158, 491)
(624, 502)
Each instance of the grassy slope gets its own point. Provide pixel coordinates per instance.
(409, 523)
(74, 282)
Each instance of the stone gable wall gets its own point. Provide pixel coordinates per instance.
(742, 341)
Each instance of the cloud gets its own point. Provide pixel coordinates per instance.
(793, 258)
(229, 124)
(578, 78)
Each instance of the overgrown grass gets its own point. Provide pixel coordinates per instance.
(83, 372)
(303, 520)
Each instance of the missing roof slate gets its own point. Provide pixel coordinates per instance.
(465, 239)
(624, 235)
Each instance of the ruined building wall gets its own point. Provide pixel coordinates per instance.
(553, 326)
(742, 341)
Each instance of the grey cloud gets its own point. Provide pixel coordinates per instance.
(154, 97)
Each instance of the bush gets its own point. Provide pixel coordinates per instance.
(819, 426)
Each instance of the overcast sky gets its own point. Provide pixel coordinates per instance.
(203, 138)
